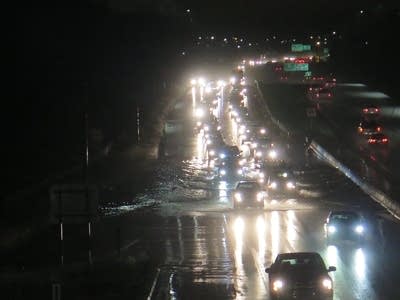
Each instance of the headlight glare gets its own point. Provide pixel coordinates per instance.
(331, 229)
(327, 283)
(277, 285)
(238, 197)
(359, 229)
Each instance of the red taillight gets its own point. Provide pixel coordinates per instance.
(376, 110)
(372, 141)
(329, 95)
(334, 79)
(365, 110)
(378, 128)
(317, 95)
(385, 140)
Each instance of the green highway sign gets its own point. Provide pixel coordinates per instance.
(300, 48)
(292, 67)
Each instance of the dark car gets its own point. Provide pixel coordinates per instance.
(281, 181)
(368, 127)
(370, 110)
(378, 139)
(248, 194)
(345, 225)
(300, 275)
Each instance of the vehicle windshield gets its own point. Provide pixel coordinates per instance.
(344, 217)
(306, 262)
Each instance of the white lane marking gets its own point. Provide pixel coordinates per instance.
(260, 268)
(153, 286)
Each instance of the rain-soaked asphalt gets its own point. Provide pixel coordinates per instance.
(201, 247)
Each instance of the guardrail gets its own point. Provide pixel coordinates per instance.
(380, 197)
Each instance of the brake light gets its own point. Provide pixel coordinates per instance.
(385, 140)
(378, 128)
(329, 95)
(376, 110)
(365, 110)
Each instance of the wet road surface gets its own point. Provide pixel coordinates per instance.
(198, 246)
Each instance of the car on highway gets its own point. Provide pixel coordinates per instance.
(378, 139)
(370, 110)
(300, 275)
(344, 225)
(320, 94)
(281, 181)
(315, 87)
(330, 82)
(369, 127)
(248, 193)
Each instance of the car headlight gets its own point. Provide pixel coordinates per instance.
(240, 171)
(211, 153)
(261, 175)
(199, 113)
(272, 154)
(222, 155)
(238, 197)
(284, 175)
(277, 285)
(273, 185)
(260, 197)
(222, 172)
(258, 153)
(290, 185)
(359, 229)
(327, 283)
(331, 229)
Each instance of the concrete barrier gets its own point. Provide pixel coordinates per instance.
(389, 204)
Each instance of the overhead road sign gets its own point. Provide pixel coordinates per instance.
(300, 48)
(292, 67)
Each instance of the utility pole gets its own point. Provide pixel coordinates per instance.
(138, 123)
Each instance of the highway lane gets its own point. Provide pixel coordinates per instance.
(244, 243)
(336, 126)
(203, 248)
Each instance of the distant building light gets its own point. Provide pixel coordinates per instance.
(361, 11)
(188, 10)
(212, 37)
(199, 37)
(238, 46)
(334, 32)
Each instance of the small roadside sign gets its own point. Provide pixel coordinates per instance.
(311, 112)
(73, 203)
